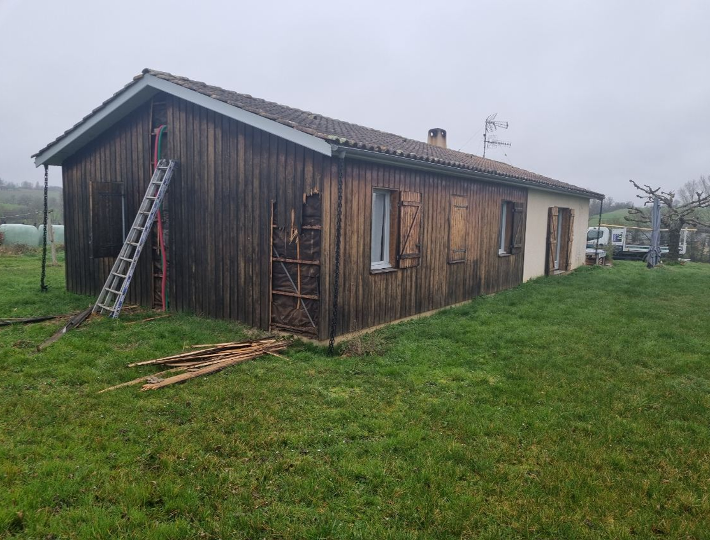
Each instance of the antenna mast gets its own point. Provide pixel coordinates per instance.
(492, 125)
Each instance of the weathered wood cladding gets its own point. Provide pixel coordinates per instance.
(220, 222)
(121, 154)
(220, 201)
(367, 299)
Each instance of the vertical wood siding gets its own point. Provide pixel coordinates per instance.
(220, 217)
(119, 155)
(368, 299)
(221, 197)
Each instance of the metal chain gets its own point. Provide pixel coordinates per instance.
(338, 226)
(599, 229)
(43, 286)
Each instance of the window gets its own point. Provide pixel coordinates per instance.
(512, 230)
(381, 227)
(458, 225)
(594, 234)
(506, 228)
(107, 219)
(560, 227)
(396, 229)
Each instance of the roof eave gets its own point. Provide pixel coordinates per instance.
(103, 118)
(369, 155)
(141, 91)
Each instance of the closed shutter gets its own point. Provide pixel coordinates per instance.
(410, 229)
(570, 239)
(457, 229)
(551, 239)
(518, 231)
(106, 218)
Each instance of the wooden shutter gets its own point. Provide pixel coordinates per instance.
(570, 239)
(106, 218)
(410, 229)
(458, 225)
(551, 238)
(518, 232)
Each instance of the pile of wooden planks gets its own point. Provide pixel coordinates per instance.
(209, 359)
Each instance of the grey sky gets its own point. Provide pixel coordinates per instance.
(596, 92)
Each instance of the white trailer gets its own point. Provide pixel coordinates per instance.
(629, 242)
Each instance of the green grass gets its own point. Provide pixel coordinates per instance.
(569, 407)
(611, 218)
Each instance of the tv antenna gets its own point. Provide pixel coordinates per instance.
(492, 125)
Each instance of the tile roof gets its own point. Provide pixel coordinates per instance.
(353, 135)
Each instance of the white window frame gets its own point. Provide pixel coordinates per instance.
(386, 224)
(502, 249)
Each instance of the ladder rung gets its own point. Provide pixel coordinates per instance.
(142, 223)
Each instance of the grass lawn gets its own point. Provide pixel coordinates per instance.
(569, 407)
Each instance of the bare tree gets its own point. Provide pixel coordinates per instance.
(690, 188)
(675, 214)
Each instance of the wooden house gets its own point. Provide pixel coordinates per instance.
(274, 209)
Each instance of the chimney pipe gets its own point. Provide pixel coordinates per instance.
(437, 137)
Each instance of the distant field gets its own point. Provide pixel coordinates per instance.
(29, 201)
(612, 218)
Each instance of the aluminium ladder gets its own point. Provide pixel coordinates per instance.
(113, 294)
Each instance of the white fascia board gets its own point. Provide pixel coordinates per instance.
(146, 88)
(254, 120)
(97, 123)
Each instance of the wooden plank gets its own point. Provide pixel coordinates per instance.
(211, 218)
(241, 223)
(274, 179)
(75, 321)
(258, 229)
(327, 246)
(247, 205)
(193, 180)
(264, 231)
(295, 294)
(234, 216)
(225, 183)
(183, 251)
(295, 261)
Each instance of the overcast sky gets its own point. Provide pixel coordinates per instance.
(596, 92)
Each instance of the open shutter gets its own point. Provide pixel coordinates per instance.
(551, 239)
(570, 239)
(106, 218)
(410, 230)
(518, 236)
(457, 229)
